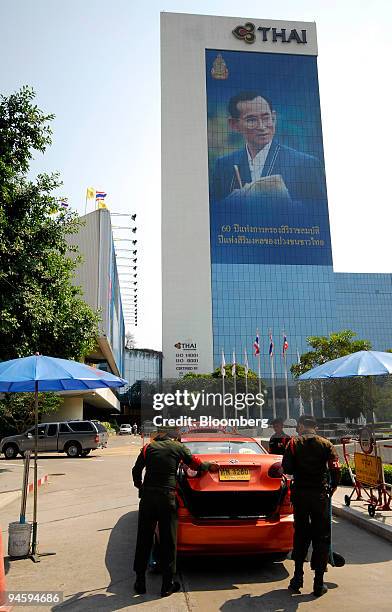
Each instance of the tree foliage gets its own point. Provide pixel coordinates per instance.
(40, 309)
(348, 396)
(17, 410)
(129, 340)
(195, 382)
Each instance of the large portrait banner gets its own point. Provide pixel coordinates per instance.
(268, 200)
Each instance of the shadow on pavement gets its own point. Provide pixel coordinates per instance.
(228, 572)
(278, 600)
(118, 559)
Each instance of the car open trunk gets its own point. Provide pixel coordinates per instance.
(230, 504)
(210, 496)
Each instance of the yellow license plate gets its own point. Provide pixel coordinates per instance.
(234, 474)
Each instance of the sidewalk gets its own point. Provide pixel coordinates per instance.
(11, 480)
(357, 513)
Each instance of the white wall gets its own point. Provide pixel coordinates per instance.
(72, 408)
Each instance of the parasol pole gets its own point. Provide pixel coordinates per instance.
(35, 492)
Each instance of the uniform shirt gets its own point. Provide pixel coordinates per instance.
(309, 458)
(277, 443)
(161, 458)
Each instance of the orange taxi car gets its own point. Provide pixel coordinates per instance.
(242, 509)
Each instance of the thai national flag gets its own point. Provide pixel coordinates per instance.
(285, 344)
(271, 346)
(100, 195)
(256, 344)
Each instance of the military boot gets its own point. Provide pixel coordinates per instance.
(297, 581)
(140, 584)
(319, 587)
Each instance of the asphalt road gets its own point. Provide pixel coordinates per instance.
(88, 517)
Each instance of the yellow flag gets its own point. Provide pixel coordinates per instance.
(101, 204)
(90, 193)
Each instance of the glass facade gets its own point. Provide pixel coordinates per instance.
(299, 300)
(364, 304)
(142, 364)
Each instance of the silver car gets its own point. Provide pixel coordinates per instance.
(75, 438)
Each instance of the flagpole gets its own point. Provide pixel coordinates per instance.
(311, 400)
(273, 386)
(234, 372)
(285, 346)
(261, 405)
(272, 376)
(246, 383)
(85, 204)
(322, 400)
(286, 387)
(223, 372)
(223, 397)
(301, 404)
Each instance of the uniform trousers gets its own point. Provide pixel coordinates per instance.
(157, 506)
(311, 524)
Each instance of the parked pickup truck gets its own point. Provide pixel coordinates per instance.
(75, 438)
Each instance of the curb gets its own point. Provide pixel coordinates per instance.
(10, 496)
(367, 523)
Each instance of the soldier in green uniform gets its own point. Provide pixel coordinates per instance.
(314, 464)
(160, 459)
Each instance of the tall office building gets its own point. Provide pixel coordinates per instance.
(245, 226)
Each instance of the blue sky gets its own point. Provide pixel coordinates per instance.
(95, 64)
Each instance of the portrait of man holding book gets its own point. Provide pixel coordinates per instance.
(263, 166)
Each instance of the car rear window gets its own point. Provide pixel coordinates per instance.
(226, 447)
(81, 426)
(100, 427)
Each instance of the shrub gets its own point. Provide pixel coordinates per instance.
(111, 427)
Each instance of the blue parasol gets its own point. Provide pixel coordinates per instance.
(362, 363)
(41, 373)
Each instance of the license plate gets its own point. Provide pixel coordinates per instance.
(234, 473)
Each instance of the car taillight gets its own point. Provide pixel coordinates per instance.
(275, 470)
(97, 438)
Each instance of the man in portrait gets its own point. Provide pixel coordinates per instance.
(263, 165)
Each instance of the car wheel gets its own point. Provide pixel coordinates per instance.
(85, 452)
(73, 449)
(10, 451)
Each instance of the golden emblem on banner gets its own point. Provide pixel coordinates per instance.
(219, 69)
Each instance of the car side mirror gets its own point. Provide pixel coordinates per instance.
(29, 436)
